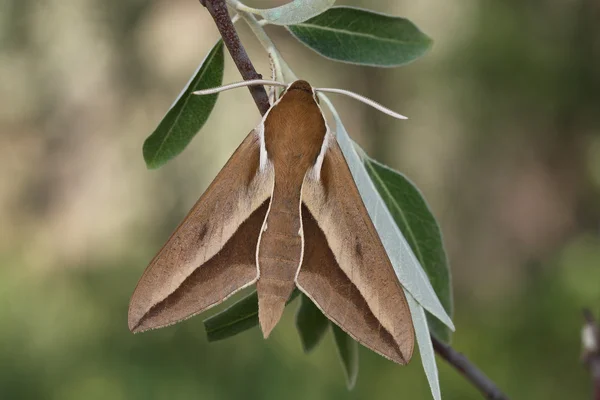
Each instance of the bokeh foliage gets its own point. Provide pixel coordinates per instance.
(511, 100)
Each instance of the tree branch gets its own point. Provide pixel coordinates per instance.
(468, 370)
(590, 338)
(218, 10)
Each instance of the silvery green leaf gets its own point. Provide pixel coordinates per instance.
(295, 12)
(407, 267)
(417, 288)
(425, 346)
(422, 232)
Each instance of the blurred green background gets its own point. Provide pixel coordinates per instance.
(503, 139)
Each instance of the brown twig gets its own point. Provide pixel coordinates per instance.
(590, 338)
(468, 370)
(218, 10)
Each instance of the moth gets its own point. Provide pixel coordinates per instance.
(283, 213)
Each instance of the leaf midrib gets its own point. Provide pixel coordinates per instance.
(354, 33)
(231, 323)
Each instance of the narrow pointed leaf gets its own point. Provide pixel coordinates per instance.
(425, 346)
(187, 114)
(348, 353)
(358, 36)
(311, 324)
(238, 318)
(295, 12)
(419, 292)
(407, 267)
(418, 225)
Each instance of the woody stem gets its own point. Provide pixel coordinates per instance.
(468, 370)
(219, 13)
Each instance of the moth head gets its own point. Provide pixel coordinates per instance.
(305, 87)
(301, 85)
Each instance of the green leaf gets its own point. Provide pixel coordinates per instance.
(311, 324)
(348, 352)
(407, 267)
(188, 114)
(238, 318)
(295, 12)
(414, 218)
(358, 36)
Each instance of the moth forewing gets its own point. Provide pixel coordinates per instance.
(168, 291)
(334, 202)
(406, 265)
(324, 282)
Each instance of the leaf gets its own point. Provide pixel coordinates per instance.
(187, 114)
(235, 319)
(425, 346)
(348, 352)
(295, 12)
(418, 225)
(419, 292)
(311, 324)
(406, 265)
(358, 36)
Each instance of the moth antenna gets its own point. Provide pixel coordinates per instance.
(272, 93)
(364, 99)
(236, 85)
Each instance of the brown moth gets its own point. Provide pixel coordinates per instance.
(284, 212)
